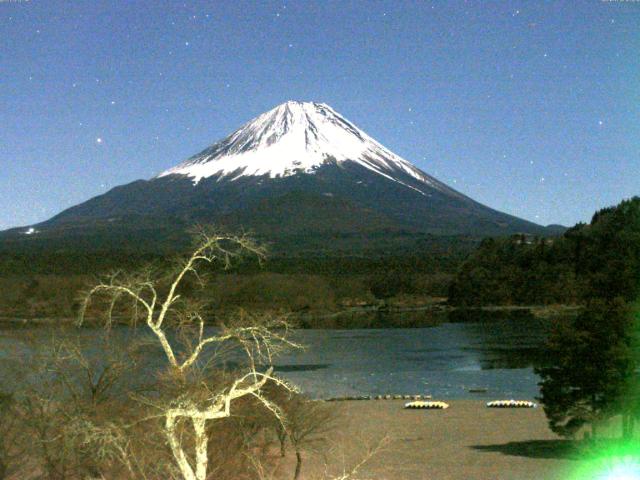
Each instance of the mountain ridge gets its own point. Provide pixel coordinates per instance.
(298, 164)
(296, 137)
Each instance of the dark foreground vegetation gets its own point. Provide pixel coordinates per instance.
(78, 408)
(591, 371)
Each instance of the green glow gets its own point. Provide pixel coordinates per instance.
(623, 469)
(618, 462)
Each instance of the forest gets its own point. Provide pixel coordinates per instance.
(599, 259)
(44, 283)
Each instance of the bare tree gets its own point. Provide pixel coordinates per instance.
(10, 450)
(308, 425)
(372, 449)
(70, 387)
(346, 472)
(198, 402)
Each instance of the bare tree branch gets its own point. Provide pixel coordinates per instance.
(259, 338)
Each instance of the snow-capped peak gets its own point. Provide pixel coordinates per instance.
(295, 137)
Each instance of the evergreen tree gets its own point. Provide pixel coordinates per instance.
(590, 362)
(630, 400)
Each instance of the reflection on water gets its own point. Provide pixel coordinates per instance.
(445, 360)
(300, 368)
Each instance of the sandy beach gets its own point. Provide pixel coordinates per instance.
(467, 441)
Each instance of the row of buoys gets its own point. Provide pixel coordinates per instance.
(426, 405)
(511, 404)
(380, 397)
(494, 404)
(420, 403)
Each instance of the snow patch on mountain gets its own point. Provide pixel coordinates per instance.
(297, 137)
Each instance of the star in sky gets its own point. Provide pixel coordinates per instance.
(513, 87)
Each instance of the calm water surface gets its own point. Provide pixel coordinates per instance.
(444, 361)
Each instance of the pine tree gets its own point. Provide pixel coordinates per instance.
(590, 362)
(630, 401)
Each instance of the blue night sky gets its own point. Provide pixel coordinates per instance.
(530, 107)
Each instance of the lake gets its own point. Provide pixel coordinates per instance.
(444, 361)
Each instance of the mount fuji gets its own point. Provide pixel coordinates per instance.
(300, 171)
(297, 137)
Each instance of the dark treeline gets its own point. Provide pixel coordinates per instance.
(41, 283)
(423, 253)
(600, 259)
(596, 260)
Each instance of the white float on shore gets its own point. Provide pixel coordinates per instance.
(511, 404)
(426, 405)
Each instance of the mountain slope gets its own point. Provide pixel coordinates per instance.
(298, 169)
(296, 137)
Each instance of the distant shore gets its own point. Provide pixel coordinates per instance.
(373, 316)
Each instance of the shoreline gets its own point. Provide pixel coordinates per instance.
(465, 441)
(314, 320)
